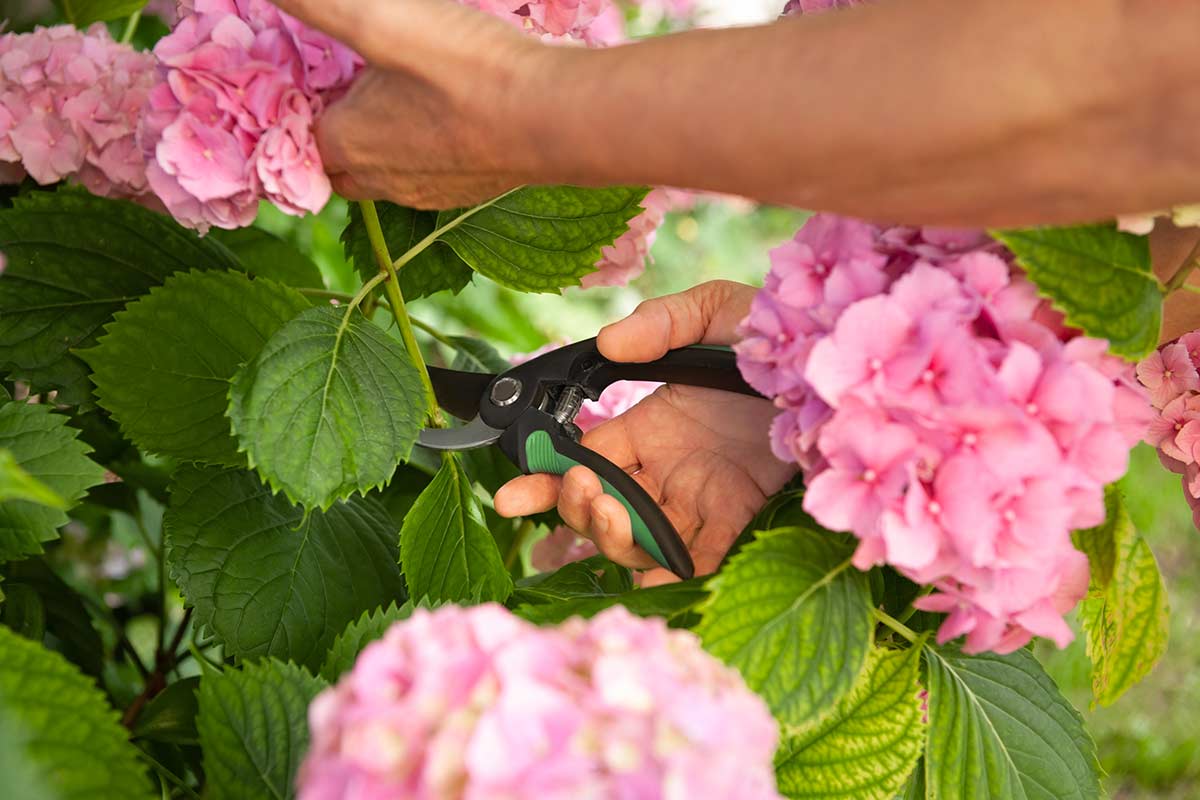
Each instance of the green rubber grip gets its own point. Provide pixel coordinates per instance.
(540, 456)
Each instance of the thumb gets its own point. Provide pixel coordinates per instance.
(705, 314)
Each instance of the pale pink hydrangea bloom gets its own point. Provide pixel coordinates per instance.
(69, 106)
(933, 401)
(475, 703)
(625, 259)
(231, 120)
(1171, 376)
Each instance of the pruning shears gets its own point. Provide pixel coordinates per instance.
(530, 410)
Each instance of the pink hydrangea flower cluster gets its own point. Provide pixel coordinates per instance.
(945, 415)
(231, 120)
(475, 703)
(625, 259)
(69, 106)
(1172, 376)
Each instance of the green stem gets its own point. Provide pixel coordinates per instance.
(896, 625)
(396, 300)
(1179, 279)
(434, 332)
(131, 27)
(526, 527)
(908, 612)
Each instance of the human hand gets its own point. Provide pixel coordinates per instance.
(702, 454)
(436, 119)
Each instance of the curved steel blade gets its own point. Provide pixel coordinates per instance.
(459, 392)
(475, 433)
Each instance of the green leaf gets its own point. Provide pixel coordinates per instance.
(867, 746)
(267, 256)
(59, 739)
(73, 260)
(446, 551)
(586, 578)
(171, 716)
(82, 13)
(914, 788)
(66, 617)
(999, 728)
(24, 612)
(269, 579)
(1125, 612)
(47, 450)
(542, 238)
(476, 355)
(330, 407)
(164, 366)
(1099, 544)
(358, 634)
(794, 617)
(433, 270)
(1099, 277)
(17, 484)
(254, 729)
(674, 601)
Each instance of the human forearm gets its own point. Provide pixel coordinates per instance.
(1030, 111)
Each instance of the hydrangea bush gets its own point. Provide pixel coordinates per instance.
(335, 613)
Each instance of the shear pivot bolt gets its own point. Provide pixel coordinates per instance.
(506, 391)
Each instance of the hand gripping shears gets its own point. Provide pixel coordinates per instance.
(530, 411)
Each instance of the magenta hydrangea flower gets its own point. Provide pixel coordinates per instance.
(475, 703)
(933, 401)
(69, 106)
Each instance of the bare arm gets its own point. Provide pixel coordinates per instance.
(989, 112)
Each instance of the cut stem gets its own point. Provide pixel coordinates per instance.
(391, 287)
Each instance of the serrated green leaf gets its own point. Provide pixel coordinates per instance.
(253, 727)
(66, 617)
(1125, 612)
(267, 256)
(17, 484)
(999, 728)
(914, 788)
(1099, 277)
(74, 260)
(794, 617)
(82, 13)
(269, 579)
(171, 716)
(435, 269)
(47, 450)
(542, 238)
(330, 407)
(164, 366)
(674, 601)
(59, 739)
(446, 550)
(867, 746)
(358, 634)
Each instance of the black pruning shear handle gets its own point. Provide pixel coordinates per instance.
(530, 411)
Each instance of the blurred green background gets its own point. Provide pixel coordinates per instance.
(1149, 741)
